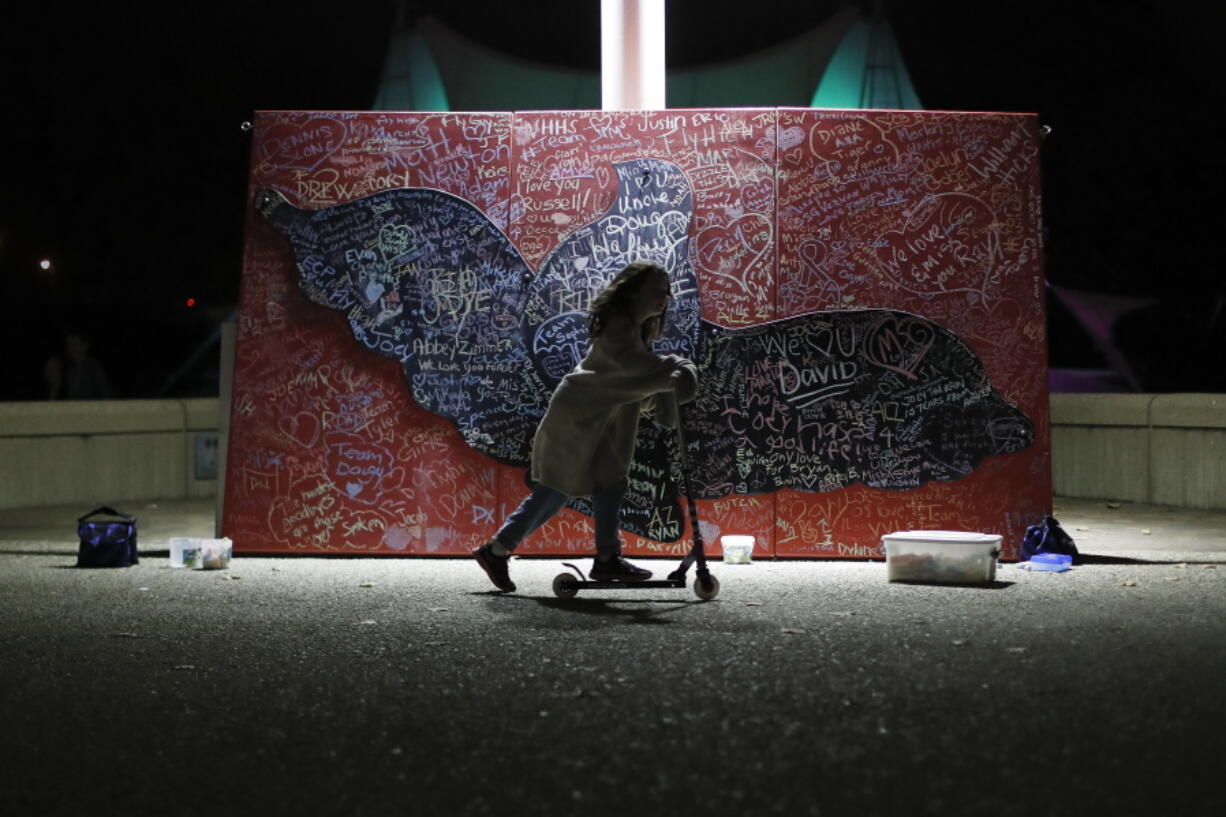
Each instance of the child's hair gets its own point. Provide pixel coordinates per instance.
(618, 296)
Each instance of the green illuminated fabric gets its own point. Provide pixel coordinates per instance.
(866, 71)
(411, 80)
(432, 68)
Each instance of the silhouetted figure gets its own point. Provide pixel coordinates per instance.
(585, 442)
(75, 375)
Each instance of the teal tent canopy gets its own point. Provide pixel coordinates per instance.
(851, 60)
(411, 81)
(867, 71)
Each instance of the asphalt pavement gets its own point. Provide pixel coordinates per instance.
(355, 686)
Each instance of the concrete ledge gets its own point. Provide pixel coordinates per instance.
(200, 413)
(93, 469)
(1101, 461)
(92, 417)
(1100, 409)
(1166, 449)
(92, 452)
(1158, 410)
(1188, 468)
(1206, 411)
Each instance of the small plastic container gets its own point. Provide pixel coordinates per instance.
(738, 550)
(215, 553)
(941, 556)
(184, 552)
(1050, 562)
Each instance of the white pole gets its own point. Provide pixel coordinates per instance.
(632, 54)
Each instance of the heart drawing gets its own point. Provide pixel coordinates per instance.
(899, 345)
(301, 146)
(949, 243)
(302, 428)
(732, 251)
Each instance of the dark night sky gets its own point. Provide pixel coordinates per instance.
(123, 159)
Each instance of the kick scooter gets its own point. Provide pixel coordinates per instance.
(706, 586)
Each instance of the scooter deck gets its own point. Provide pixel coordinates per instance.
(591, 584)
(585, 583)
(566, 585)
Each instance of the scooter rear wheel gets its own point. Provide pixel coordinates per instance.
(706, 590)
(565, 586)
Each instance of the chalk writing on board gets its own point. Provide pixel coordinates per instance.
(823, 401)
(815, 402)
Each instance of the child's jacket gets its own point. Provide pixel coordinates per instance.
(587, 435)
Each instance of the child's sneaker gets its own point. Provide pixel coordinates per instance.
(495, 567)
(617, 569)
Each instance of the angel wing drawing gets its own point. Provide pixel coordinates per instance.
(815, 403)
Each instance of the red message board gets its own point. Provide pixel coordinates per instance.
(773, 221)
(937, 214)
(327, 451)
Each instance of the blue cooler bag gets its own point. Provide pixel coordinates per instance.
(1048, 537)
(107, 542)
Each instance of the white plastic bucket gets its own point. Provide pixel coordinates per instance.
(738, 550)
(184, 552)
(215, 553)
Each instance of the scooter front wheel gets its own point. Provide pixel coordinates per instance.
(706, 589)
(565, 585)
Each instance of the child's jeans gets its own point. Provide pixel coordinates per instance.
(540, 506)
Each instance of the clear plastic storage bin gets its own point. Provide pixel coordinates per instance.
(956, 557)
